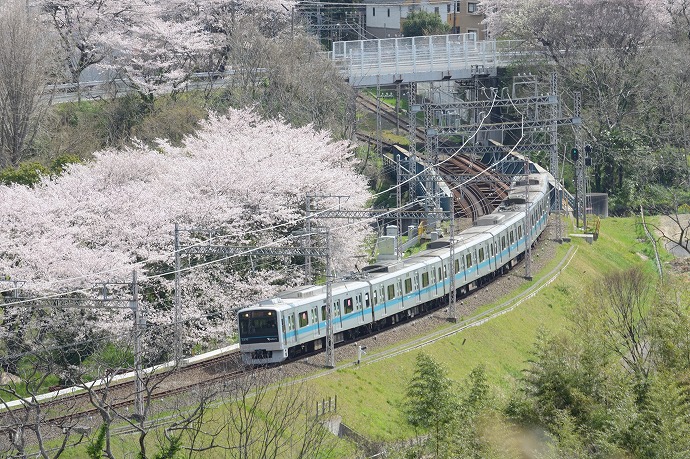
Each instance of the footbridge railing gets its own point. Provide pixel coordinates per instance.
(413, 59)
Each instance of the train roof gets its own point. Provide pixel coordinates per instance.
(307, 294)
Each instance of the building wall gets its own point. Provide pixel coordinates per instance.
(466, 19)
(384, 20)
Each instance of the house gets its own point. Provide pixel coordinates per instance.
(384, 18)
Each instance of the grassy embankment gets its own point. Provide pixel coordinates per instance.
(370, 397)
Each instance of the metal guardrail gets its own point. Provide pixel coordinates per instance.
(94, 90)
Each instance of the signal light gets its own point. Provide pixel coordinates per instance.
(574, 154)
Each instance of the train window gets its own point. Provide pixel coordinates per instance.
(257, 326)
(481, 254)
(445, 271)
(291, 323)
(491, 249)
(512, 238)
(366, 299)
(303, 319)
(457, 266)
(425, 279)
(348, 305)
(358, 302)
(503, 242)
(314, 316)
(376, 298)
(519, 232)
(336, 308)
(391, 292)
(382, 297)
(408, 285)
(468, 260)
(439, 274)
(323, 312)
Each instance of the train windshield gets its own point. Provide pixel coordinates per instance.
(258, 327)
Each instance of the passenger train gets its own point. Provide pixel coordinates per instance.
(294, 322)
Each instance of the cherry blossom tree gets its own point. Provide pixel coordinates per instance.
(152, 49)
(79, 25)
(538, 17)
(245, 175)
(158, 45)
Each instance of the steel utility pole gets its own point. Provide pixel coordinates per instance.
(527, 228)
(453, 293)
(330, 339)
(579, 164)
(139, 323)
(178, 306)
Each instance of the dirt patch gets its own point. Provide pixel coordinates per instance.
(671, 229)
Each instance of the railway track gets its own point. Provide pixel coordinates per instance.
(388, 113)
(479, 197)
(472, 200)
(82, 408)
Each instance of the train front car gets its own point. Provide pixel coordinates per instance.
(260, 330)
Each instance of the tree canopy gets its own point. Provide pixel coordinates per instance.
(240, 173)
(422, 22)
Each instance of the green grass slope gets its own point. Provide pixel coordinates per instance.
(370, 396)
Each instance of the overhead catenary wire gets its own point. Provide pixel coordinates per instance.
(142, 263)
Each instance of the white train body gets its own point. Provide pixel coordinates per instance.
(295, 321)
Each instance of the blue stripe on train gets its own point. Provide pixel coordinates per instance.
(309, 329)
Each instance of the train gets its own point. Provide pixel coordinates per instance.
(294, 322)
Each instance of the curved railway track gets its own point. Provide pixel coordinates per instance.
(480, 197)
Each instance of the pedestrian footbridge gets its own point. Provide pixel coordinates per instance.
(414, 59)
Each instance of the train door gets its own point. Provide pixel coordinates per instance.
(467, 258)
(337, 315)
(482, 256)
(415, 285)
(434, 281)
(400, 293)
(284, 327)
(370, 299)
(315, 320)
(382, 298)
(290, 331)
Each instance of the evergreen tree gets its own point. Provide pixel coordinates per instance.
(430, 403)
